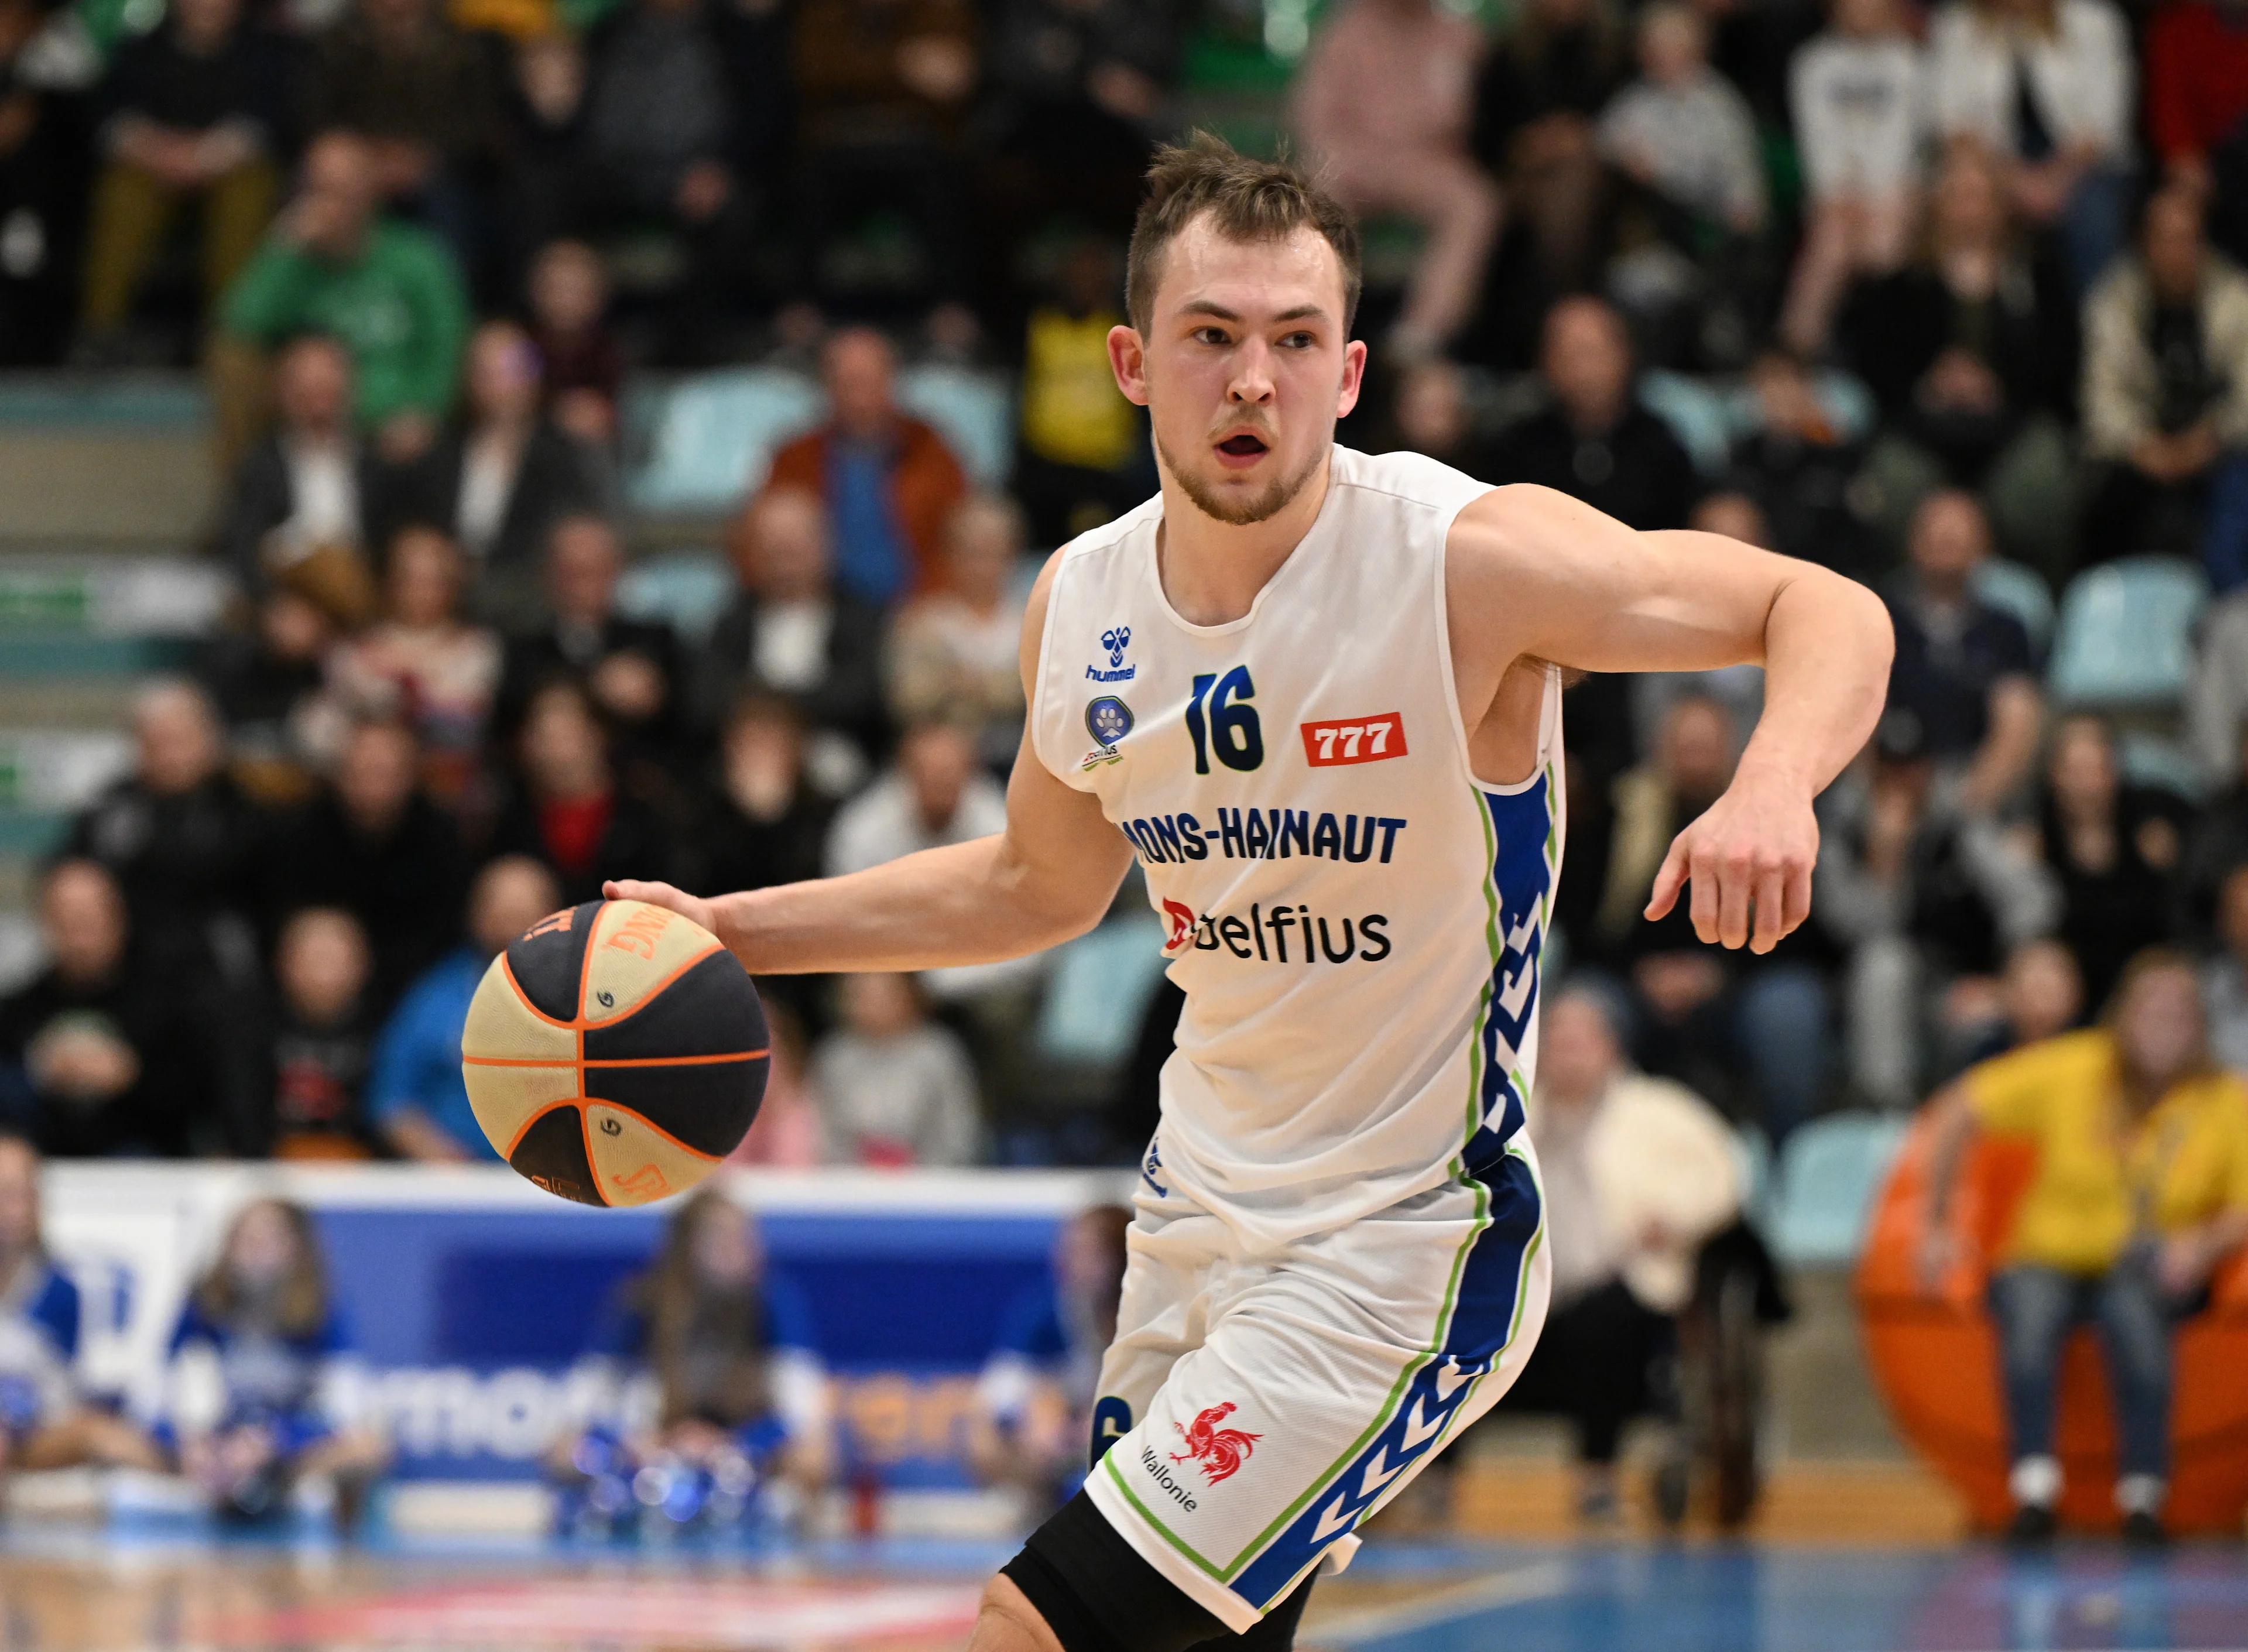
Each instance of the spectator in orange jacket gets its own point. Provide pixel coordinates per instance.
(889, 480)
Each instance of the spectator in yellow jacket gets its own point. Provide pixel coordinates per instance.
(2141, 1190)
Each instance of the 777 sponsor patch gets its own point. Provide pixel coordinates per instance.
(1341, 740)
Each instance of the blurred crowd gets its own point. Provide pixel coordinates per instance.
(1948, 297)
(264, 940)
(1956, 281)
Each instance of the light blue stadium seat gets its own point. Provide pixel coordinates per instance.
(972, 411)
(1752, 1157)
(1829, 1172)
(1849, 402)
(688, 590)
(1098, 991)
(1696, 414)
(2125, 636)
(710, 439)
(1843, 398)
(2011, 588)
(2149, 760)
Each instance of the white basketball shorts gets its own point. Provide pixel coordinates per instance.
(1257, 1408)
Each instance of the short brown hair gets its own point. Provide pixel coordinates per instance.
(1251, 200)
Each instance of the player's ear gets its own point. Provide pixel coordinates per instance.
(1127, 359)
(1354, 376)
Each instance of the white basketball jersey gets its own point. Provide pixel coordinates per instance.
(1356, 920)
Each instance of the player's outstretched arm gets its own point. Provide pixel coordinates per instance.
(1049, 876)
(1530, 572)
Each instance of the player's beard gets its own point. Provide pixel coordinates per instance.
(1277, 495)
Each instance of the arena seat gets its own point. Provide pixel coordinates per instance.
(688, 590)
(1829, 1172)
(2019, 590)
(1843, 397)
(974, 412)
(2162, 764)
(1695, 414)
(708, 440)
(1752, 1157)
(1098, 991)
(705, 440)
(1935, 1359)
(2124, 640)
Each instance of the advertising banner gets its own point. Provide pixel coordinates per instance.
(472, 1295)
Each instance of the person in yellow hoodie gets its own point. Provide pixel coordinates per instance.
(2141, 1190)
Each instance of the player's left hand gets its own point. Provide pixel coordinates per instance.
(1749, 856)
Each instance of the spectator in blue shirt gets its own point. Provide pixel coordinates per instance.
(887, 479)
(44, 1423)
(417, 1097)
(264, 1389)
(1033, 1414)
(732, 1391)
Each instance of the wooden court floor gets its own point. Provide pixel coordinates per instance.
(1622, 1595)
(1846, 1558)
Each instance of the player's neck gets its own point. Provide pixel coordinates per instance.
(1211, 571)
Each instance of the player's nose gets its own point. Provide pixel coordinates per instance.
(1252, 379)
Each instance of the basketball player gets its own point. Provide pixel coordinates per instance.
(1319, 696)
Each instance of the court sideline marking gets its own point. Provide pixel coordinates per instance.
(1539, 1582)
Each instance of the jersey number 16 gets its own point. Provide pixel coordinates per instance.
(1231, 728)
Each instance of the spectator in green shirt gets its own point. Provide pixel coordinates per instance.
(389, 291)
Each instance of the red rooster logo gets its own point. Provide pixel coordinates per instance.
(1220, 1451)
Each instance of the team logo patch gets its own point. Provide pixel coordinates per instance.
(1107, 720)
(1354, 740)
(1220, 1451)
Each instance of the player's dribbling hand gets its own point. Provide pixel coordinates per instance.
(692, 907)
(1748, 857)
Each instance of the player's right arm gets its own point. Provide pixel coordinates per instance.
(1049, 876)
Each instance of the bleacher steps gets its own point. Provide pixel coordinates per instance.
(103, 462)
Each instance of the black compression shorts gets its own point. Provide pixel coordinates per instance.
(1098, 1595)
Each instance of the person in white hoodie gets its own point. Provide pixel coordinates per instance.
(1859, 92)
(2046, 86)
(1639, 1172)
(1682, 130)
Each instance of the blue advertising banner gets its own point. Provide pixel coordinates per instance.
(472, 1296)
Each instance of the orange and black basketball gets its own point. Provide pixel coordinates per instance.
(615, 1052)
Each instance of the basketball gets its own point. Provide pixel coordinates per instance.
(615, 1052)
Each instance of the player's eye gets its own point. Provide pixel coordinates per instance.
(1211, 335)
(1299, 340)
